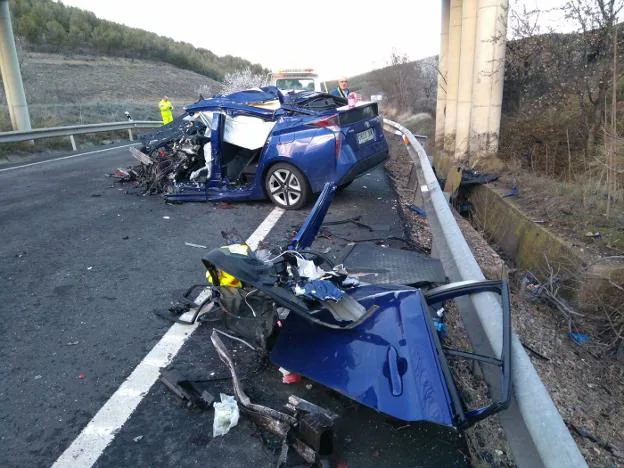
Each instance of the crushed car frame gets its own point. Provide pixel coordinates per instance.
(260, 143)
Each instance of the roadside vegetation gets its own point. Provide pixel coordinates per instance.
(563, 145)
(47, 26)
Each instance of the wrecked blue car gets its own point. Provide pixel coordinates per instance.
(261, 143)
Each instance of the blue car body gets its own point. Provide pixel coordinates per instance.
(314, 138)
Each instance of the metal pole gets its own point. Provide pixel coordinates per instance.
(11, 76)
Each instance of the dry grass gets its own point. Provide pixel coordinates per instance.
(573, 210)
(63, 90)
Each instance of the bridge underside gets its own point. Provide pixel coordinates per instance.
(470, 83)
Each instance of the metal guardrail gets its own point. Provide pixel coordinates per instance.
(533, 426)
(70, 131)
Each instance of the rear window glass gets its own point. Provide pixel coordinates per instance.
(358, 114)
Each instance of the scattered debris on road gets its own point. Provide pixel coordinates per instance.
(378, 343)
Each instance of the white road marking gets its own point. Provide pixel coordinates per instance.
(65, 157)
(101, 430)
(264, 228)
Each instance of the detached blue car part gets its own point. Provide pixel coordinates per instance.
(390, 359)
(284, 147)
(388, 363)
(393, 362)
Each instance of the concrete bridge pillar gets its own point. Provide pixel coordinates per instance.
(472, 58)
(466, 66)
(452, 80)
(442, 75)
(11, 76)
(488, 77)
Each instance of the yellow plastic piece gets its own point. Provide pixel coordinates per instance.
(225, 279)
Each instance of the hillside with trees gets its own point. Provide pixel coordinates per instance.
(46, 26)
(102, 69)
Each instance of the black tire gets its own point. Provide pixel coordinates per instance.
(341, 187)
(286, 186)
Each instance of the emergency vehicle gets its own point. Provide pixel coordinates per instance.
(298, 79)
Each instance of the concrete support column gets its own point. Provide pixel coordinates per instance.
(466, 70)
(11, 76)
(489, 73)
(442, 75)
(450, 121)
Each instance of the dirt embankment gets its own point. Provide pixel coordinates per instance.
(81, 87)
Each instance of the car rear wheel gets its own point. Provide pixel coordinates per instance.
(286, 186)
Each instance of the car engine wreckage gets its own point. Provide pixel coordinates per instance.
(169, 156)
(380, 345)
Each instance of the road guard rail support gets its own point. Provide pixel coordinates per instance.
(533, 426)
(70, 131)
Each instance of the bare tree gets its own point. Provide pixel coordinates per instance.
(557, 84)
(243, 79)
(596, 21)
(399, 71)
(524, 22)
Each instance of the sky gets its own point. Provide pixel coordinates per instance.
(334, 37)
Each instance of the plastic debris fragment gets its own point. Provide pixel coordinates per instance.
(225, 279)
(308, 269)
(419, 211)
(199, 246)
(441, 327)
(322, 290)
(578, 338)
(346, 309)
(226, 415)
(289, 377)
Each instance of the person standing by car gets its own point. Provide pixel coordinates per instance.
(342, 90)
(166, 109)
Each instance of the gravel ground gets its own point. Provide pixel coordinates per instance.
(585, 382)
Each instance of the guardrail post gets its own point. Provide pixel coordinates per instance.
(73, 142)
(130, 134)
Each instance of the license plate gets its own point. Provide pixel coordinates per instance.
(365, 136)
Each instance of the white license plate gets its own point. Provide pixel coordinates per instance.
(366, 135)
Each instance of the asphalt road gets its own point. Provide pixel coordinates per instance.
(84, 265)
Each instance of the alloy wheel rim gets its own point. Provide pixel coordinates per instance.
(285, 187)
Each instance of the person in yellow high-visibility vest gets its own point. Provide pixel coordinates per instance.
(166, 109)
